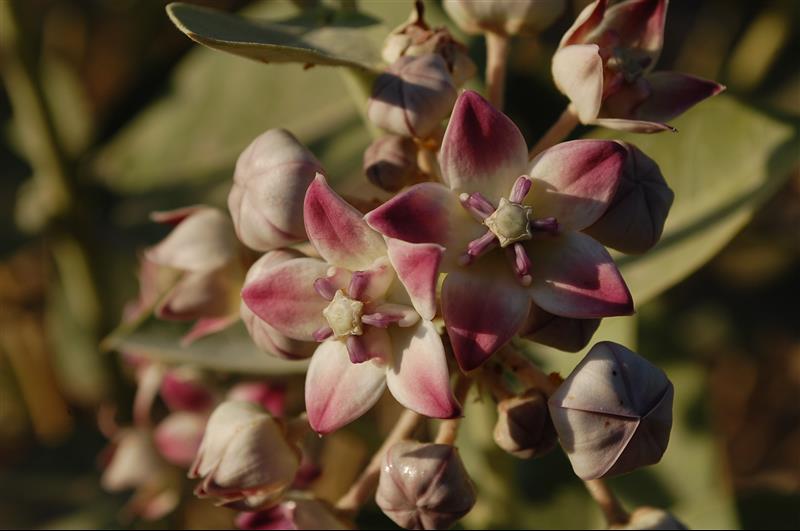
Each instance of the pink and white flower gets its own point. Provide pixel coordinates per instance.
(604, 66)
(509, 231)
(369, 306)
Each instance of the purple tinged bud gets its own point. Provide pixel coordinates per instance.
(635, 218)
(652, 518)
(613, 414)
(424, 486)
(269, 186)
(183, 389)
(523, 427)
(390, 162)
(413, 96)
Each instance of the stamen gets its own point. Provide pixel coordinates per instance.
(325, 287)
(549, 225)
(323, 333)
(521, 263)
(521, 188)
(479, 247)
(357, 349)
(358, 284)
(477, 205)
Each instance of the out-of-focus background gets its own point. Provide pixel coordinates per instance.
(108, 112)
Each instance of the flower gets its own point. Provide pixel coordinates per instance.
(245, 459)
(390, 162)
(269, 183)
(179, 435)
(424, 486)
(505, 17)
(202, 248)
(369, 306)
(613, 414)
(604, 66)
(511, 229)
(523, 427)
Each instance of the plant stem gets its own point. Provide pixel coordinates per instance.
(367, 482)
(448, 429)
(528, 372)
(497, 47)
(612, 509)
(557, 132)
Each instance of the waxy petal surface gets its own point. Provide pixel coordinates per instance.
(337, 230)
(417, 266)
(285, 298)
(575, 181)
(202, 241)
(338, 391)
(574, 276)
(418, 377)
(672, 93)
(482, 150)
(578, 73)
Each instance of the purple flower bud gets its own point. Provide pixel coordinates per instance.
(424, 486)
(413, 96)
(269, 185)
(651, 518)
(505, 17)
(564, 333)
(635, 218)
(390, 162)
(178, 437)
(524, 428)
(296, 512)
(183, 389)
(613, 414)
(245, 459)
(265, 336)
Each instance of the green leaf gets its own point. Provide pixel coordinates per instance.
(230, 350)
(724, 163)
(347, 39)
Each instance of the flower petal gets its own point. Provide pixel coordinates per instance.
(284, 297)
(672, 93)
(639, 24)
(337, 230)
(337, 391)
(203, 241)
(482, 150)
(417, 266)
(206, 327)
(587, 21)
(578, 74)
(574, 276)
(199, 294)
(482, 312)
(418, 378)
(575, 181)
(563, 333)
(633, 126)
(372, 283)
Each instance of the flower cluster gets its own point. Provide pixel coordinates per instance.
(480, 244)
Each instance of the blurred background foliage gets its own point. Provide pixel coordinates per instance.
(108, 112)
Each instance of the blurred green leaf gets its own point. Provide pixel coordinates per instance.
(332, 39)
(726, 160)
(230, 350)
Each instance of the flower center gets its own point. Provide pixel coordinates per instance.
(344, 315)
(510, 222)
(630, 63)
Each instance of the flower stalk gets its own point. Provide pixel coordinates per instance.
(448, 429)
(613, 511)
(497, 48)
(559, 131)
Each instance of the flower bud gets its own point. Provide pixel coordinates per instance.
(415, 38)
(635, 218)
(270, 396)
(524, 428)
(296, 512)
(424, 486)
(265, 336)
(564, 333)
(651, 518)
(390, 162)
(178, 437)
(183, 389)
(504, 17)
(413, 96)
(269, 185)
(613, 414)
(245, 459)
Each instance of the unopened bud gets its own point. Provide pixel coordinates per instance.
(245, 459)
(504, 17)
(270, 396)
(297, 511)
(424, 486)
(390, 162)
(613, 414)
(652, 518)
(183, 389)
(524, 428)
(269, 185)
(413, 96)
(635, 218)
(178, 437)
